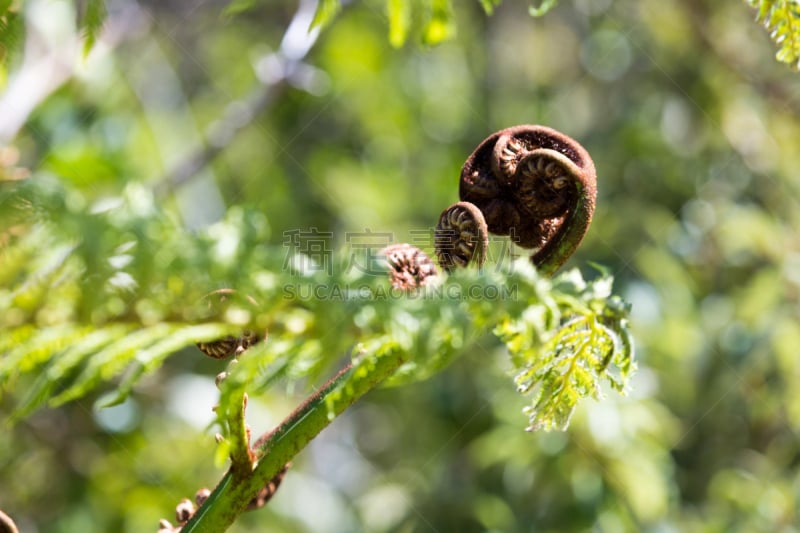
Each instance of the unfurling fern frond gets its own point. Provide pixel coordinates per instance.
(95, 297)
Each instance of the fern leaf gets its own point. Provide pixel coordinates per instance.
(151, 358)
(92, 23)
(112, 360)
(57, 374)
(11, 30)
(781, 18)
(591, 347)
(49, 267)
(37, 348)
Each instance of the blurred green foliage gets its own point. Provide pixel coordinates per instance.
(693, 128)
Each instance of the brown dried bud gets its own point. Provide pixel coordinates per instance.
(409, 267)
(184, 511)
(164, 526)
(461, 236)
(201, 496)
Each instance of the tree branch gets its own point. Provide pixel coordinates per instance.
(276, 72)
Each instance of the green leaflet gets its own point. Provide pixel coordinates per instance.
(440, 25)
(11, 30)
(111, 361)
(26, 356)
(781, 18)
(150, 359)
(58, 372)
(326, 11)
(557, 368)
(94, 16)
(399, 13)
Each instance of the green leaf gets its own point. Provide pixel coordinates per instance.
(151, 358)
(326, 11)
(440, 26)
(11, 31)
(92, 23)
(399, 13)
(38, 348)
(489, 5)
(56, 374)
(557, 369)
(112, 360)
(781, 18)
(543, 9)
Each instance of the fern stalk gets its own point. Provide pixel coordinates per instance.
(276, 448)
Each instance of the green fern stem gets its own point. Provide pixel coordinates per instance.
(276, 448)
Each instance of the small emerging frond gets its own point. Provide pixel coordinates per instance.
(558, 366)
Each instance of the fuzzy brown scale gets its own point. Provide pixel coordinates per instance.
(535, 185)
(461, 237)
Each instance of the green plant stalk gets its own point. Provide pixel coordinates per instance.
(276, 448)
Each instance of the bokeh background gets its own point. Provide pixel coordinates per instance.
(695, 132)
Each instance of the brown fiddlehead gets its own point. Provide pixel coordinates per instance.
(409, 267)
(536, 185)
(461, 237)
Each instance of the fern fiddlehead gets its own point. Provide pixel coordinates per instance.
(536, 185)
(533, 184)
(461, 236)
(409, 267)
